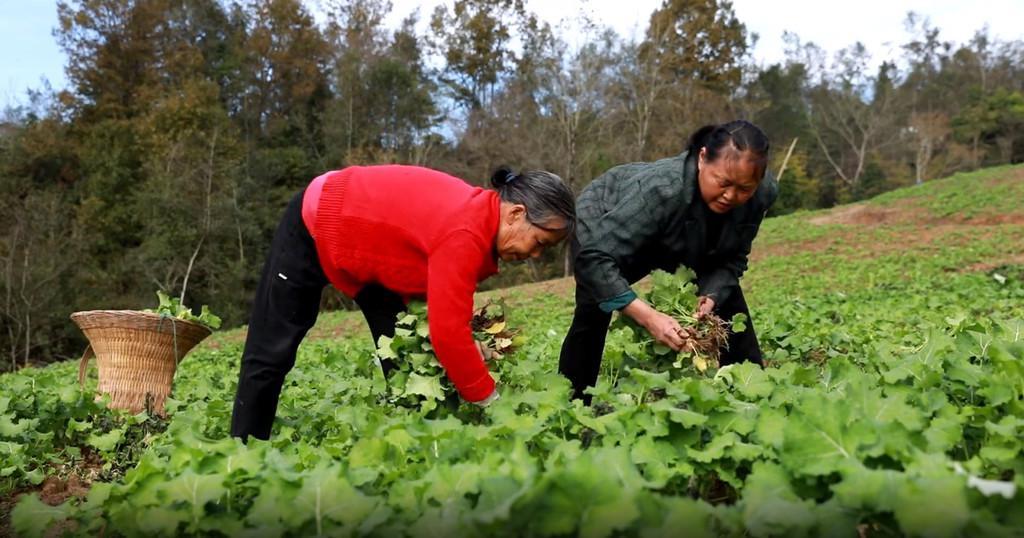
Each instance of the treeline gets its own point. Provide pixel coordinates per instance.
(188, 124)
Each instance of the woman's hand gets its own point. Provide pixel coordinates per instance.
(663, 328)
(488, 400)
(485, 351)
(705, 305)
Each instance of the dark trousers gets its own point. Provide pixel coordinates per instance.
(583, 347)
(285, 307)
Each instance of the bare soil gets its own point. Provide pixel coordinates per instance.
(862, 214)
(68, 482)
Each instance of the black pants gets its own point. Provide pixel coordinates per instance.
(285, 307)
(583, 347)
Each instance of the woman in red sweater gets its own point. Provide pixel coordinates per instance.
(383, 235)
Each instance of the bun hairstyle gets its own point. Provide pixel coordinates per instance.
(502, 177)
(743, 136)
(546, 197)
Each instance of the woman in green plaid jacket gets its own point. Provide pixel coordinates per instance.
(701, 209)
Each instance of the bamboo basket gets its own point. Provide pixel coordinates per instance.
(137, 353)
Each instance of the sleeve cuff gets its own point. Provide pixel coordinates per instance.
(478, 390)
(618, 302)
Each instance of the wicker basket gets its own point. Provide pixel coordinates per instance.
(137, 353)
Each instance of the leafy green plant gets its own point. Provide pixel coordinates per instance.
(171, 306)
(417, 379)
(705, 337)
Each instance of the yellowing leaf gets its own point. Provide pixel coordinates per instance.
(496, 328)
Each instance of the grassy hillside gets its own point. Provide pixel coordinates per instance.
(892, 405)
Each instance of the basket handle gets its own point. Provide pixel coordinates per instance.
(83, 364)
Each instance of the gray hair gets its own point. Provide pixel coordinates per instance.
(545, 196)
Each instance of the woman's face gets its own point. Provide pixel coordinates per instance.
(729, 181)
(519, 239)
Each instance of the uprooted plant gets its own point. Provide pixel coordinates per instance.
(704, 337)
(417, 380)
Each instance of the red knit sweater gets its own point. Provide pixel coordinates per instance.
(417, 232)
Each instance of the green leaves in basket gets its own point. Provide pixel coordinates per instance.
(171, 306)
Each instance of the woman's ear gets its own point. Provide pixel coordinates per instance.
(515, 213)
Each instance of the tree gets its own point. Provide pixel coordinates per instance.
(697, 41)
(474, 38)
(39, 239)
(191, 169)
(697, 47)
(284, 63)
(850, 111)
(638, 89)
(930, 129)
(573, 92)
(384, 106)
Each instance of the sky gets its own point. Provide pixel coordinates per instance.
(29, 53)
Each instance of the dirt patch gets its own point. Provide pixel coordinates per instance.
(562, 287)
(992, 265)
(772, 250)
(995, 220)
(53, 491)
(868, 215)
(69, 480)
(1014, 174)
(7, 503)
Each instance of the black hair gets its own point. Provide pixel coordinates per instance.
(740, 134)
(544, 195)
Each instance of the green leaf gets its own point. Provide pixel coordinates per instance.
(194, 490)
(604, 519)
(106, 442)
(943, 433)
(739, 323)
(771, 507)
(1000, 454)
(208, 318)
(161, 520)
(31, 516)
(895, 409)
(932, 507)
(683, 516)
(428, 387)
(326, 496)
(824, 437)
(407, 320)
(497, 495)
(274, 501)
(770, 426)
(685, 417)
(9, 429)
(869, 489)
(748, 379)
(715, 449)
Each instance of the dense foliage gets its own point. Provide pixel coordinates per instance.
(893, 404)
(188, 124)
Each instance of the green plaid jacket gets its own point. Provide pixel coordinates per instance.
(638, 217)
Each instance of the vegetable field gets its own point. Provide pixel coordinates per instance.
(892, 404)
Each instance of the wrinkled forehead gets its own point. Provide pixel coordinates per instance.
(743, 167)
